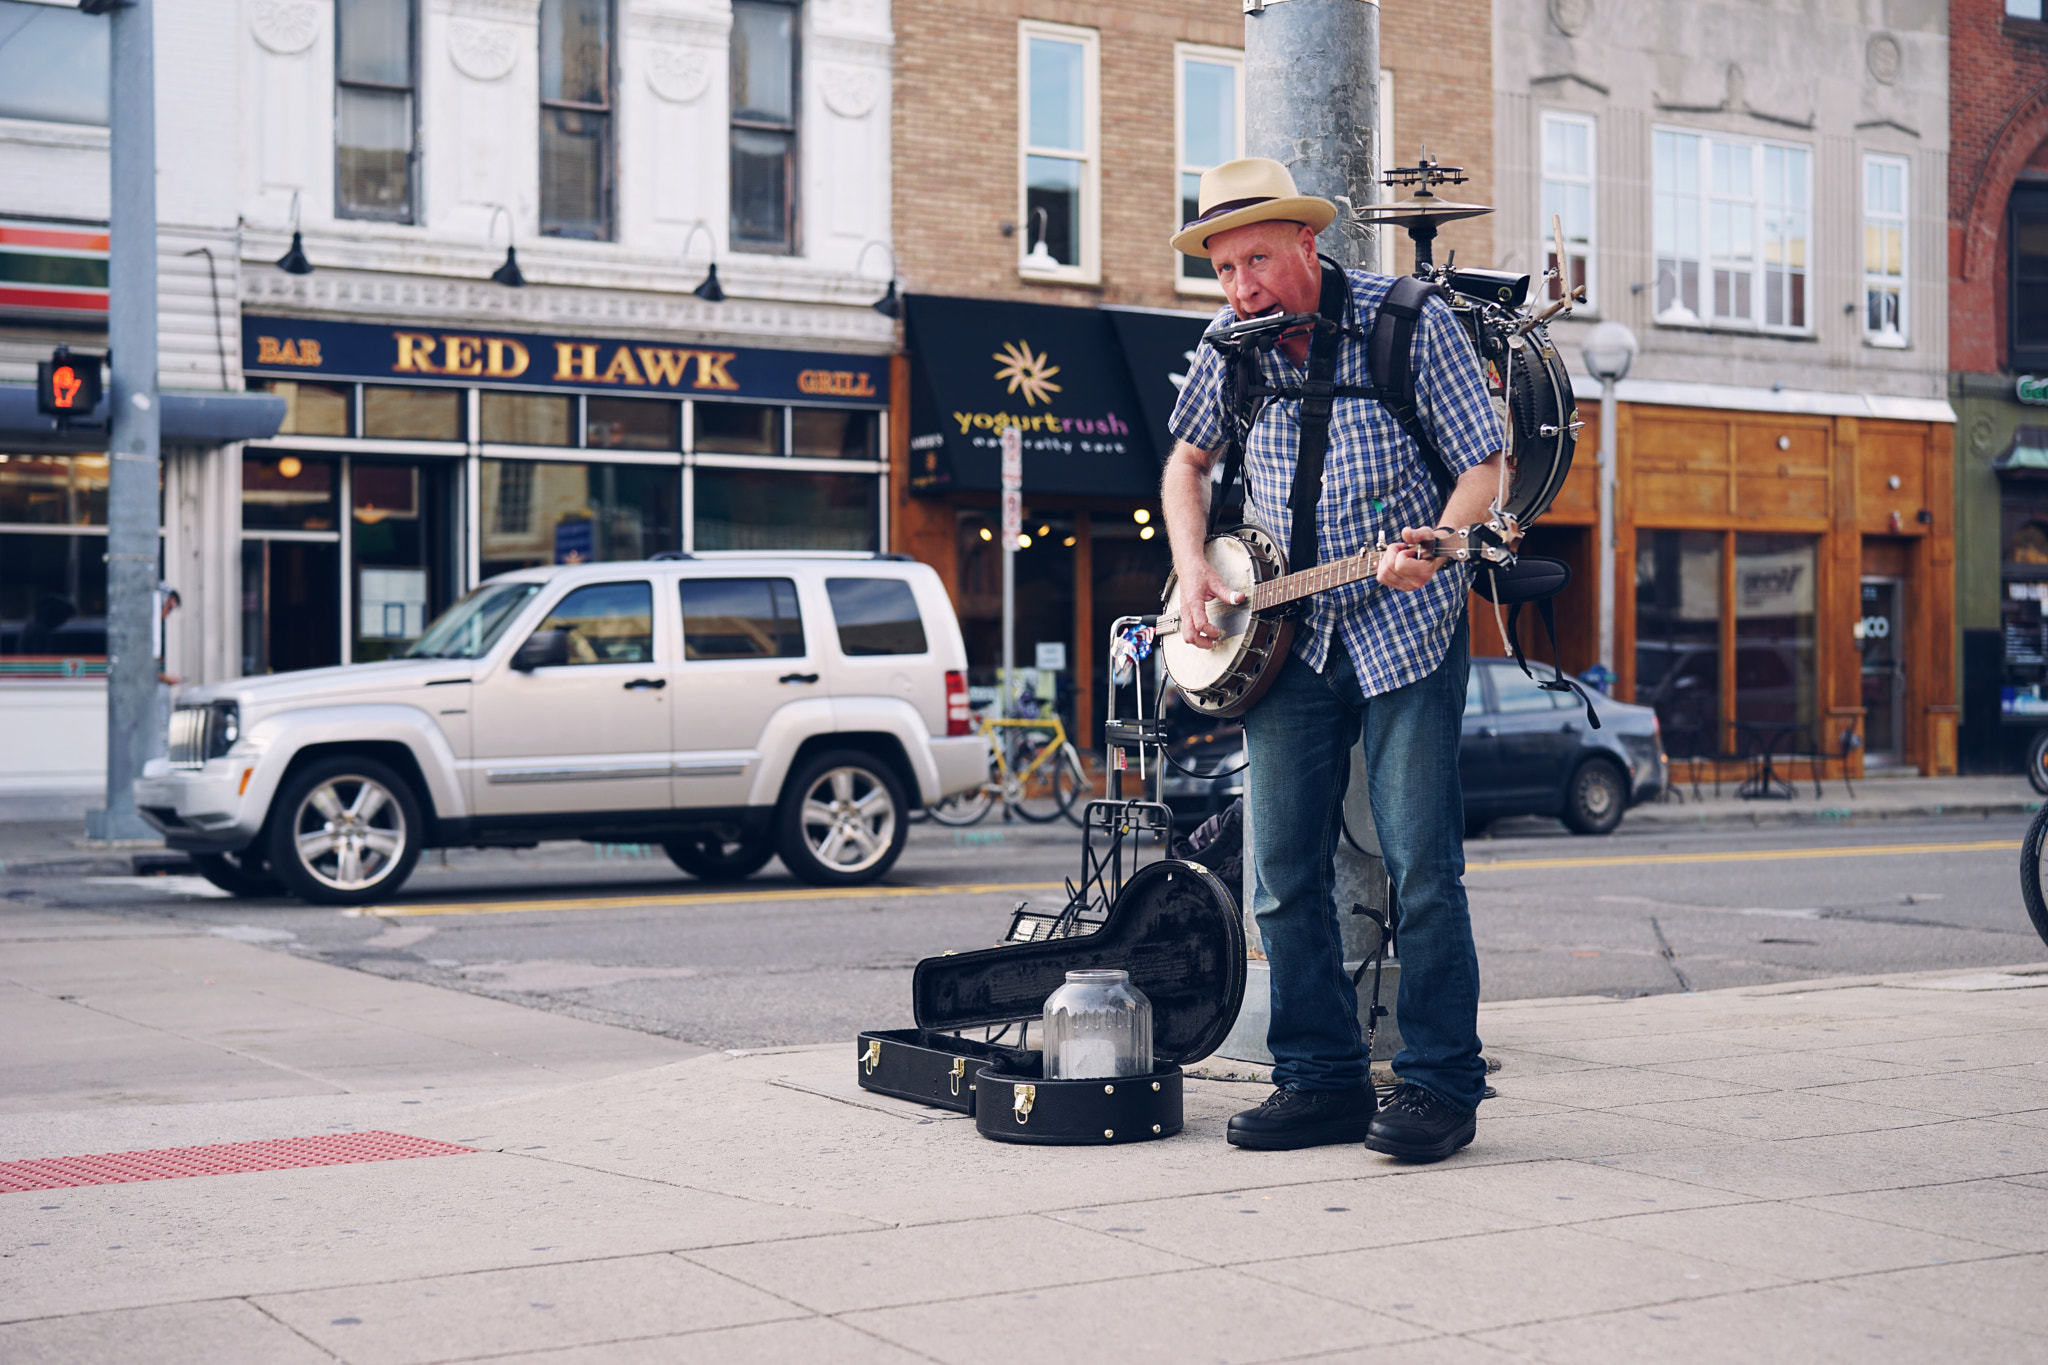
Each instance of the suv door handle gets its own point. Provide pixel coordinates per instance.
(654, 684)
(798, 678)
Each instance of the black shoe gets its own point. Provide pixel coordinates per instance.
(1418, 1126)
(1290, 1119)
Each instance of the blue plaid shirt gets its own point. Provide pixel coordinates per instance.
(1376, 481)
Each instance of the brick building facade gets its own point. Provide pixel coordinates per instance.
(966, 144)
(1998, 338)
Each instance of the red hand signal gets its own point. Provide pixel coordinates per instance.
(65, 384)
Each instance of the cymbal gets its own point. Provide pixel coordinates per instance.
(1422, 209)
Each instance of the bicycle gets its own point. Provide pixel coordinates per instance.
(2032, 871)
(1032, 767)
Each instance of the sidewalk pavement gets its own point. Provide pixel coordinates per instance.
(1849, 1170)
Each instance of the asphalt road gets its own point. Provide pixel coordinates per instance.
(617, 935)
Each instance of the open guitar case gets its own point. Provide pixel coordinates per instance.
(1174, 927)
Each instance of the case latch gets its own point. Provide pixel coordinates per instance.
(873, 1058)
(1024, 1096)
(959, 1070)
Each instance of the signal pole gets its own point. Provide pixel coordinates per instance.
(134, 446)
(1312, 103)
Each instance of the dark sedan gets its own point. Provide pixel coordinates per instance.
(1524, 752)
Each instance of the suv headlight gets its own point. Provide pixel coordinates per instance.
(199, 733)
(225, 729)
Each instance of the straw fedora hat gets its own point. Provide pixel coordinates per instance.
(1256, 189)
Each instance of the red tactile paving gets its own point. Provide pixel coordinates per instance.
(226, 1158)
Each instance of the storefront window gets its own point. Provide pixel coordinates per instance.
(1774, 631)
(309, 409)
(1678, 636)
(630, 424)
(288, 493)
(832, 433)
(763, 509)
(739, 429)
(534, 512)
(53, 490)
(53, 604)
(412, 414)
(526, 419)
(402, 543)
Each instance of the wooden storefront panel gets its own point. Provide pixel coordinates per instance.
(1887, 451)
(1679, 469)
(1787, 483)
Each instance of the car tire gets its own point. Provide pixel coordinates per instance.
(2037, 763)
(345, 831)
(715, 858)
(1596, 798)
(239, 874)
(843, 819)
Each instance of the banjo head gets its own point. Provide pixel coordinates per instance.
(1224, 680)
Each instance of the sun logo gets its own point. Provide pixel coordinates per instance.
(1028, 373)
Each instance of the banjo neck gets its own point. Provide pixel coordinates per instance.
(1323, 577)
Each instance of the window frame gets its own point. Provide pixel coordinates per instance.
(1755, 202)
(608, 231)
(1089, 270)
(792, 245)
(1591, 181)
(2031, 196)
(411, 215)
(1183, 53)
(1902, 336)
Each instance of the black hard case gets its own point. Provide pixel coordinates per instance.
(1174, 927)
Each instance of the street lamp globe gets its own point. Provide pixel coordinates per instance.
(1608, 350)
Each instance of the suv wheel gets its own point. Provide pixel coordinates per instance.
(843, 820)
(345, 831)
(238, 874)
(1596, 798)
(715, 858)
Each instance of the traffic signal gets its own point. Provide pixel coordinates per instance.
(67, 385)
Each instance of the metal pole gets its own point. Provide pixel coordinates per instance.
(133, 445)
(1013, 525)
(1312, 103)
(1607, 439)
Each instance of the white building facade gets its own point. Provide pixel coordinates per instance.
(698, 197)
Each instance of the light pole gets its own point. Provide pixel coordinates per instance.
(1608, 350)
(133, 445)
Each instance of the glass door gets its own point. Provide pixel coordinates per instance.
(402, 546)
(1880, 639)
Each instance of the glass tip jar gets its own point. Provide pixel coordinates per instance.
(1098, 1024)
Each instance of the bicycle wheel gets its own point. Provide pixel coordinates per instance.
(1075, 791)
(1034, 787)
(2031, 872)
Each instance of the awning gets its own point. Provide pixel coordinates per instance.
(189, 418)
(2026, 457)
(1159, 347)
(1092, 424)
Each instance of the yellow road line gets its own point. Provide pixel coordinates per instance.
(1761, 855)
(712, 898)
(404, 911)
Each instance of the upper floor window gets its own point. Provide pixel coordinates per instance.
(1731, 231)
(1568, 172)
(764, 105)
(1209, 91)
(374, 74)
(2023, 9)
(2027, 303)
(576, 73)
(53, 63)
(1060, 171)
(1884, 250)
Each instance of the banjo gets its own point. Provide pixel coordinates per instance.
(1229, 677)
(1530, 388)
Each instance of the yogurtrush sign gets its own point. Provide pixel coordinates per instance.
(399, 355)
(1056, 374)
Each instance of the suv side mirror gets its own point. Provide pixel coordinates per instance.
(543, 649)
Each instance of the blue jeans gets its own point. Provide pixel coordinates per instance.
(1300, 737)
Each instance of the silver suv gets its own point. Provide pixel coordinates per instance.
(729, 709)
